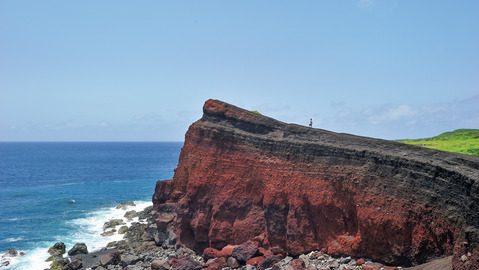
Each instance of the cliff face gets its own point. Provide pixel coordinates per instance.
(244, 176)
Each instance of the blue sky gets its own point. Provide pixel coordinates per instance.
(124, 71)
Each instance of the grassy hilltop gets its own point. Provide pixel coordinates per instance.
(464, 141)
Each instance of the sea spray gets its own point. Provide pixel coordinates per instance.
(87, 230)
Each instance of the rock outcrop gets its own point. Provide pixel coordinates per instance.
(246, 177)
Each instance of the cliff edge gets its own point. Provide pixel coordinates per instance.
(243, 176)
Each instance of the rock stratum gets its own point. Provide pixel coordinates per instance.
(246, 177)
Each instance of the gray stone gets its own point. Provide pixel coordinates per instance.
(129, 259)
(125, 205)
(131, 214)
(113, 223)
(58, 249)
(108, 233)
(123, 230)
(74, 265)
(159, 265)
(345, 260)
(232, 262)
(78, 248)
(112, 257)
(12, 252)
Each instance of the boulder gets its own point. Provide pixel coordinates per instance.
(296, 264)
(112, 257)
(245, 251)
(125, 205)
(123, 230)
(78, 248)
(159, 265)
(113, 223)
(12, 252)
(269, 261)
(255, 261)
(232, 262)
(108, 232)
(131, 214)
(216, 264)
(184, 263)
(210, 253)
(58, 249)
(130, 259)
(73, 265)
(360, 261)
(59, 263)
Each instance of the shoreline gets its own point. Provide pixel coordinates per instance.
(141, 248)
(87, 229)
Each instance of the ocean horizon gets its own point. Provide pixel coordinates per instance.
(65, 191)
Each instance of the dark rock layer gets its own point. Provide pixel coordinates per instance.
(243, 176)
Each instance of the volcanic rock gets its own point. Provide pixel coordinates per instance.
(245, 251)
(73, 265)
(113, 223)
(242, 175)
(131, 214)
(125, 205)
(58, 249)
(160, 265)
(123, 230)
(184, 263)
(78, 248)
(216, 264)
(12, 252)
(232, 262)
(112, 257)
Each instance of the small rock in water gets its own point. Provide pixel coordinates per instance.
(78, 248)
(113, 223)
(108, 233)
(131, 214)
(125, 205)
(12, 252)
(123, 230)
(58, 249)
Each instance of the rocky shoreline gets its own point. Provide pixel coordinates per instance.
(143, 249)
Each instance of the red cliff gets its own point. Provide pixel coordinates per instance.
(244, 176)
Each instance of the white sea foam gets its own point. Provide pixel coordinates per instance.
(11, 239)
(86, 230)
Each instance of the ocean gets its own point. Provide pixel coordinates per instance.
(65, 191)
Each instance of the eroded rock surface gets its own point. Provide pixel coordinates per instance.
(243, 176)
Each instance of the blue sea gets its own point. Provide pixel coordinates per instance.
(65, 191)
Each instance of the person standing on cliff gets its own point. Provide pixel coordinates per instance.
(311, 122)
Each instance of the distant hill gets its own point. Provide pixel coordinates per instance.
(464, 141)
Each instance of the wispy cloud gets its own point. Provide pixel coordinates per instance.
(394, 113)
(395, 121)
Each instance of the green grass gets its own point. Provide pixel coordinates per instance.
(464, 141)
